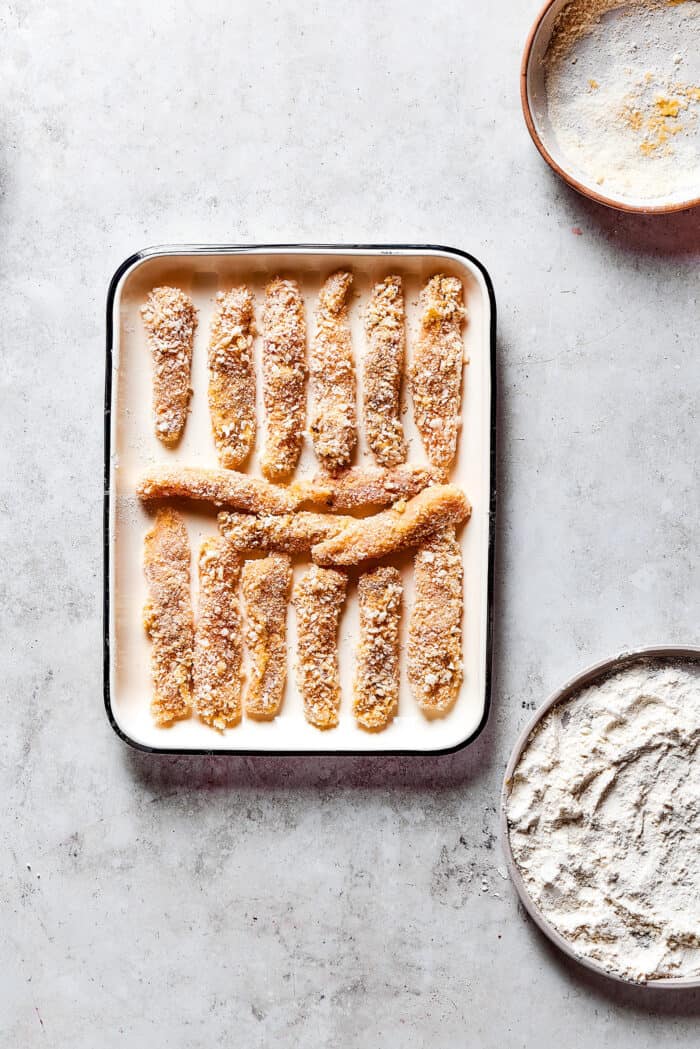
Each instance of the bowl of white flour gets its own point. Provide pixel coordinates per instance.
(601, 817)
(611, 97)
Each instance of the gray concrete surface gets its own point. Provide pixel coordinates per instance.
(200, 903)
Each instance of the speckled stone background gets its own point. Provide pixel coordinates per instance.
(200, 903)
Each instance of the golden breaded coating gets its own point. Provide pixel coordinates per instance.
(435, 375)
(170, 320)
(435, 627)
(290, 533)
(284, 378)
(167, 616)
(218, 641)
(362, 486)
(332, 371)
(376, 691)
(318, 600)
(405, 524)
(232, 377)
(383, 370)
(221, 487)
(266, 584)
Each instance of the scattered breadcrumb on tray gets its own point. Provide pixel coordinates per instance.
(232, 377)
(167, 616)
(405, 524)
(221, 487)
(289, 533)
(218, 646)
(266, 584)
(318, 601)
(435, 373)
(435, 625)
(284, 378)
(376, 687)
(383, 371)
(170, 319)
(332, 372)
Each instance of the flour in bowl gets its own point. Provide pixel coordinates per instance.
(623, 95)
(604, 821)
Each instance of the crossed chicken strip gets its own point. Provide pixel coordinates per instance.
(167, 616)
(290, 533)
(435, 374)
(332, 371)
(221, 487)
(232, 377)
(366, 486)
(382, 371)
(284, 377)
(405, 524)
(265, 584)
(376, 689)
(170, 320)
(218, 640)
(318, 599)
(435, 626)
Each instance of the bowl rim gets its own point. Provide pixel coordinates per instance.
(571, 180)
(596, 671)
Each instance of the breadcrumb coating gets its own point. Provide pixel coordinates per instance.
(232, 377)
(332, 371)
(167, 616)
(290, 533)
(435, 626)
(366, 486)
(376, 690)
(405, 524)
(435, 374)
(170, 320)
(318, 600)
(218, 640)
(221, 487)
(266, 584)
(284, 377)
(383, 370)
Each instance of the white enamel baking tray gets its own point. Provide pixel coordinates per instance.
(596, 673)
(131, 448)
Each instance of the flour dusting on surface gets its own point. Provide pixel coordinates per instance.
(604, 821)
(623, 95)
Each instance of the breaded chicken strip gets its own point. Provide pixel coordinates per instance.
(284, 377)
(435, 627)
(291, 533)
(332, 371)
(376, 691)
(383, 370)
(266, 584)
(170, 320)
(221, 487)
(406, 524)
(366, 486)
(218, 640)
(167, 616)
(318, 599)
(232, 377)
(435, 374)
